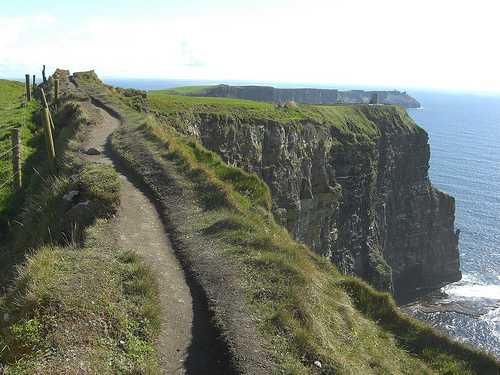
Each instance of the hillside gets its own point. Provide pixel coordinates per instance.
(349, 181)
(263, 289)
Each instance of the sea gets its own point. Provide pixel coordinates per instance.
(464, 137)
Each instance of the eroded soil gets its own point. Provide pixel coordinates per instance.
(184, 345)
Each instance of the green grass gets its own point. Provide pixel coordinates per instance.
(74, 300)
(12, 99)
(184, 90)
(218, 185)
(307, 310)
(33, 216)
(175, 103)
(355, 123)
(82, 306)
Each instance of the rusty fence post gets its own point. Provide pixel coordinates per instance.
(28, 90)
(56, 89)
(45, 105)
(51, 153)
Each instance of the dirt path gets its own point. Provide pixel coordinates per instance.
(184, 345)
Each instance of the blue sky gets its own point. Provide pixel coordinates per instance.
(400, 44)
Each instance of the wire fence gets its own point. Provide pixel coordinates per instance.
(9, 179)
(23, 124)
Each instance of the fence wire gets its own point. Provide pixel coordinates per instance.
(23, 123)
(9, 179)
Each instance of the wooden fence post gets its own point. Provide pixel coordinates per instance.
(16, 158)
(45, 105)
(28, 91)
(34, 82)
(51, 153)
(56, 89)
(43, 75)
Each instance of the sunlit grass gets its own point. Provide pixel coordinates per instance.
(74, 300)
(306, 309)
(183, 90)
(12, 101)
(307, 312)
(85, 305)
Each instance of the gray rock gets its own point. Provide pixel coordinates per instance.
(80, 214)
(71, 195)
(369, 207)
(92, 151)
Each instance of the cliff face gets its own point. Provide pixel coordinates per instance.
(353, 187)
(307, 96)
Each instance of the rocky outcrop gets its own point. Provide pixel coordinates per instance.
(354, 187)
(307, 95)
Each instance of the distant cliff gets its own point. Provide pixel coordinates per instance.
(306, 96)
(352, 185)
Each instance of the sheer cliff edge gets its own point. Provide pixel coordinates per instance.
(352, 183)
(298, 95)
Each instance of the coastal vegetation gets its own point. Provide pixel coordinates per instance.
(15, 111)
(313, 319)
(300, 95)
(69, 301)
(185, 90)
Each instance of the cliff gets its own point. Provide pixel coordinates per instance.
(303, 95)
(351, 182)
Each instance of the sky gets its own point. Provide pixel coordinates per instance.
(391, 43)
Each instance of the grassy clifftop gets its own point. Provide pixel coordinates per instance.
(306, 309)
(73, 301)
(300, 95)
(312, 320)
(356, 120)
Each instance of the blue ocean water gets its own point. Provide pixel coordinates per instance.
(464, 135)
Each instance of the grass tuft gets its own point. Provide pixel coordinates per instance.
(306, 309)
(70, 305)
(87, 305)
(91, 305)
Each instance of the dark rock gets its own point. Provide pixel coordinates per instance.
(67, 200)
(368, 206)
(92, 151)
(79, 216)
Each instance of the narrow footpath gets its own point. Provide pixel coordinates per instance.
(184, 345)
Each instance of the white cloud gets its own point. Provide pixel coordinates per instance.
(388, 42)
(12, 28)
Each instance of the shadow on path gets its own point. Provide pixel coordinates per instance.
(186, 344)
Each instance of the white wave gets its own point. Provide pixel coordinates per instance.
(473, 291)
(493, 316)
(492, 321)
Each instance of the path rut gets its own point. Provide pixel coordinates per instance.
(184, 345)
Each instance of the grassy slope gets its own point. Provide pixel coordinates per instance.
(75, 303)
(353, 119)
(305, 309)
(184, 90)
(308, 311)
(12, 100)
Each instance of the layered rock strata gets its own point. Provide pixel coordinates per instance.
(355, 189)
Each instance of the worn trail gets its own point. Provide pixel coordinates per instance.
(184, 345)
